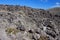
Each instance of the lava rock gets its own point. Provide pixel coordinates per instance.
(30, 31)
(21, 28)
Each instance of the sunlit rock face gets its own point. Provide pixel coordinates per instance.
(25, 23)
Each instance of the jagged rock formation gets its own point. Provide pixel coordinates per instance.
(25, 23)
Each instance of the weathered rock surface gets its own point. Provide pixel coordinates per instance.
(25, 23)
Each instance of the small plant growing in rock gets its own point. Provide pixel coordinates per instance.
(12, 30)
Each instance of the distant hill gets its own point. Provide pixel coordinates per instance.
(55, 10)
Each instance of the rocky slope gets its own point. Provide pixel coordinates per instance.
(25, 23)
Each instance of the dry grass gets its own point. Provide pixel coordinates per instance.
(43, 38)
(12, 30)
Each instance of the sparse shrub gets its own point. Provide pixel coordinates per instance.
(12, 30)
(43, 38)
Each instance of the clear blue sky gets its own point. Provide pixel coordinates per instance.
(33, 3)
